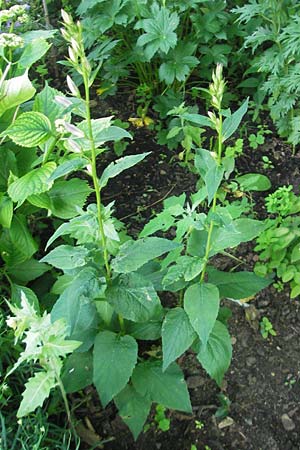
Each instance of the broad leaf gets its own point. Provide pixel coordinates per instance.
(201, 303)
(21, 236)
(177, 335)
(77, 372)
(254, 182)
(134, 254)
(133, 409)
(215, 357)
(77, 307)
(30, 129)
(6, 211)
(118, 166)
(237, 285)
(37, 389)
(16, 292)
(146, 331)
(134, 298)
(232, 122)
(15, 91)
(67, 257)
(27, 270)
(167, 388)
(210, 171)
(33, 51)
(114, 360)
(67, 167)
(44, 102)
(65, 199)
(33, 182)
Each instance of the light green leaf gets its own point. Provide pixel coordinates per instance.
(66, 257)
(201, 303)
(6, 211)
(295, 253)
(77, 372)
(134, 254)
(34, 182)
(33, 51)
(167, 388)
(44, 102)
(237, 285)
(232, 122)
(177, 335)
(15, 91)
(29, 129)
(254, 182)
(37, 389)
(65, 199)
(162, 222)
(134, 298)
(67, 167)
(118, 166)
(114, 360)
(133, 409)
(215, 357)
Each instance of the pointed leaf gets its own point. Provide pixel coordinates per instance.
(133, 409)
(77, 372)
(118, 166)
(177, 335)
(201, 303)
(33, 182)
(30, 129)
(66, 257)
(231, 123)
(167, 388)
(134, 298)
(210, 171)
(37, 389)
(134, 254)
(215, 357)
(114, 360)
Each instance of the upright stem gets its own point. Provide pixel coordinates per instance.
(94, 173)
(214, 204)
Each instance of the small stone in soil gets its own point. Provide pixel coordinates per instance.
(287, 422)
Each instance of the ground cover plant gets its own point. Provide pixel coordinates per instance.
(89, 302)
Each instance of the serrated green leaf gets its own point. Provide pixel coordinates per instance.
(134, 254)
(133, 409)
(44, 102)
(21, 236)
(134, 298)
(66, 257)
(65, 199)
(15, 91)
(114, 360)
(118, 166)
(177, 335)
(201, 303)
(34, 182)
(76, 306)
(231, 123)
(166, 388)
(29, 129)
(237, 285)
(215, 357)
(37, 389)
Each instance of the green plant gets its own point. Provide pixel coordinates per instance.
(267, 163)
(278, 244)
(259, 138)
(103, 285)
(163, 423)
(199, 425)
(271, 31)
(224, 408)
(266, 328)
